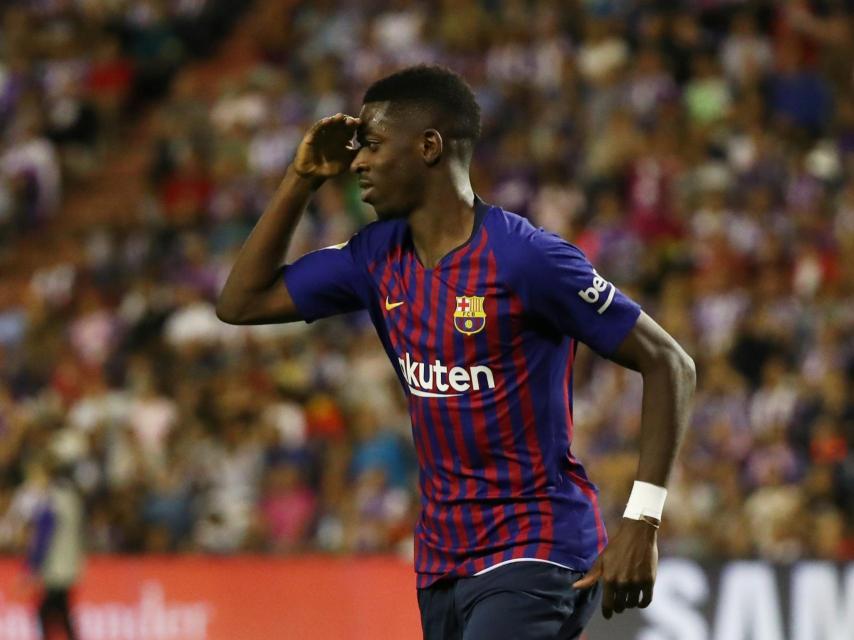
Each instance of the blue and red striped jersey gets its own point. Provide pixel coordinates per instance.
(483, 345)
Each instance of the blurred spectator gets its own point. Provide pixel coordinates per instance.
(55, 554)
(798, 97)
(379, 448)
(69, 77)
(30, 167)
(746, 53)
(287, 508)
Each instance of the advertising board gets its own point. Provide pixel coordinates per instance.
(265, 598)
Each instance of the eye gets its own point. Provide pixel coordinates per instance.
(373, 146)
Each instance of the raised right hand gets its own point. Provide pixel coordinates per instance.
(326, 149)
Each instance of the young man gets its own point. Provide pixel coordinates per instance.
(480, 313)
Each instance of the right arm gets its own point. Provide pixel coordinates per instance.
(255, 292)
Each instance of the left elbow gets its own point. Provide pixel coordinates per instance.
(675, 363)
(688, 371)
(682, 368)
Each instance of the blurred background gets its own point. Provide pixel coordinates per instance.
(700, 152)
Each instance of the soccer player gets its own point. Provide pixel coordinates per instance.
(480, 314)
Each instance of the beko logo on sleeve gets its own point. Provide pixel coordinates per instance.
(594, 292)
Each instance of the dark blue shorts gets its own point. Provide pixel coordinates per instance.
(517, 601)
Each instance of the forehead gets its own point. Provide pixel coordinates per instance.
(386, 119)
(375, 117)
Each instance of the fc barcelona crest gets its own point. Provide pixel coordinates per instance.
(469, 316)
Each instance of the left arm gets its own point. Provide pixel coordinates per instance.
(628, 564)
(668, 386)
(561, 287)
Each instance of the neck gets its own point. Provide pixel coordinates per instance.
(443, 223)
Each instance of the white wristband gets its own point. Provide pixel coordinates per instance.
(646, 500)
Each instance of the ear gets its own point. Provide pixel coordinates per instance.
(431, 146)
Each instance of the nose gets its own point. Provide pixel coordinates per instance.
(357, 165)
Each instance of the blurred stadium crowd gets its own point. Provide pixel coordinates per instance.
(701, 154)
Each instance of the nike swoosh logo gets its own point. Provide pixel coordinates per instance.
(392, 305)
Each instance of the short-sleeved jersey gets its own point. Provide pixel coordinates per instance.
(483, 345)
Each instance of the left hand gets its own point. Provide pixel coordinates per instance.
(627, 568)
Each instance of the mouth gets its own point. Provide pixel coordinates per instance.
(365, 188)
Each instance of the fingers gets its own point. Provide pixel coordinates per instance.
(587, 581)
(646, 599)
(349, 122)
(338, 117)
(608, 593)
(329, 122)
(617, 597)
(620, 595)
(632, 596)
(590, 578)
(343, 118)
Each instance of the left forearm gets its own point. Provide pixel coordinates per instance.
(668, 387)
(628, 564)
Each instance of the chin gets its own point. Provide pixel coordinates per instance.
(382, 212)
(388, 214)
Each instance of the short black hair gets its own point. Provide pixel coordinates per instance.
(435, 87)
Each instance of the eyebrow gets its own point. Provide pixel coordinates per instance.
(363, 131)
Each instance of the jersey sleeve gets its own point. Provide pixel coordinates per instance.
(559, 285)
(327, 282)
